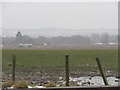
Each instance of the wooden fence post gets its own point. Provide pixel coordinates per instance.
(67, 69)
(101, 71)
(13, 67)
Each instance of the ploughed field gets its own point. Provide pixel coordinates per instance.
(41, 66)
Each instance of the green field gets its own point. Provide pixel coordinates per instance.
(83, 60)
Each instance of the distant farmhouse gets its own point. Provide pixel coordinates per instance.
(23, 41)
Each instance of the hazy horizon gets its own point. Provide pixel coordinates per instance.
(54, 32)
(59, 18)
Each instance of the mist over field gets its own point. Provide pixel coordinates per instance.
(55, 32)
(20, 40)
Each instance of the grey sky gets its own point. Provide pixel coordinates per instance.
(71, 17)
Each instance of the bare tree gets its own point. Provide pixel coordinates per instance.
(95, 38)
(105, 38)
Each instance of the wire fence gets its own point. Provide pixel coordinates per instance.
(37, 68)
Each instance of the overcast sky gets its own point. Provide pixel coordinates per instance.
(63, 18)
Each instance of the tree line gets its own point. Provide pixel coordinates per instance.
(94, 38)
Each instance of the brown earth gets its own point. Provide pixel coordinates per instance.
(66, 47)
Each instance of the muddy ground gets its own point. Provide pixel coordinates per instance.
(43, 77)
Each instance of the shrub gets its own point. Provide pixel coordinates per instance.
(22, 84)
(50, 84)
(7, 84)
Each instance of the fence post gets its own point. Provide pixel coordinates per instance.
(67, 69)
(13, 67)
(101, 71)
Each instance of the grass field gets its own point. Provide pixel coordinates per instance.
(55, 60)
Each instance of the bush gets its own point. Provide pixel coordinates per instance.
(50, 84)
(7, 84)
(22, 84)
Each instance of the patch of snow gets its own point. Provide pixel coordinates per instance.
(39, 87)
(30, 87)
(93, 81)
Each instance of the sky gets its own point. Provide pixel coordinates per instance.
(59, 18)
